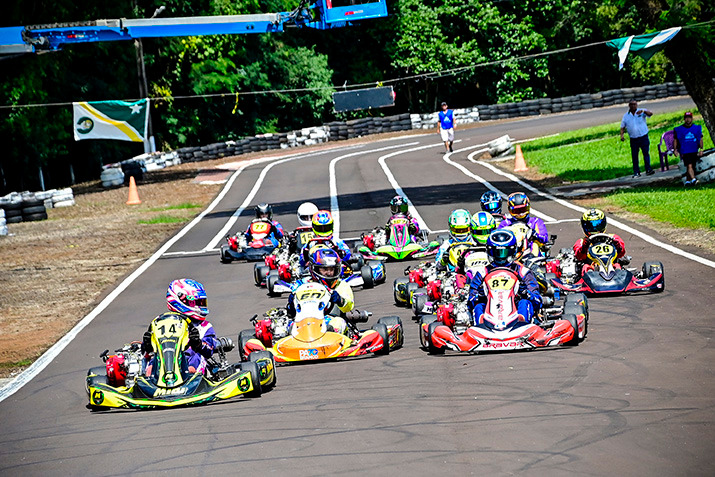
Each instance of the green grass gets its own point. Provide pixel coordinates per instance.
(163, 219)
(17, 364)
(597, 153)
(185, 205)
(675, 204)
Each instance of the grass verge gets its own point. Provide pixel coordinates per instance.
(163, 219)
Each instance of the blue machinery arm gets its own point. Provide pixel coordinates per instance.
(322, 15)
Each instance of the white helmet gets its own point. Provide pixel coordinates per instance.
(306, 211)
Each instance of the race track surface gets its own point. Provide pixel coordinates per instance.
(635, 398)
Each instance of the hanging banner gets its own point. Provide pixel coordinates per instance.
(644, 46)
(111, 120)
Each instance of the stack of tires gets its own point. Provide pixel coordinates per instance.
(63, 198)
(33, 208)
(704, 169)
(133, 167)
(12, 208)
(3, 224)
(112, 176)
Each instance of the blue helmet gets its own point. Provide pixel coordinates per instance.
(324, 265)
(501, 247)
(491, 202)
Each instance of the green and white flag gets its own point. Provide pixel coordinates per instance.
(111, 120)
(644, 46)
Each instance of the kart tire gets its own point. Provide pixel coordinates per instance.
(97, 371)
(409, 291)
(271, 280)
(578, 298)
(259, 355)
(650, 269)
(425, 320)
(419, 298)
(243, 338)
(392, 321)
(375, 263)
(225, 257)
(260, 272)
(574, 324)
(382, 331)
(396, 294)
(36, 209)
(366, 274)
(34, 217)
(431, 348)
(252, 368)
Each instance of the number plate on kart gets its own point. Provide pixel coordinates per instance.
(602, 249)
(501, 282)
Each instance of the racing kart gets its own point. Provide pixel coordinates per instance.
(237, 247)
(400, 245)
(501, 327)
(605, 277)
(170, 383)
(309, 337)
(283, 272)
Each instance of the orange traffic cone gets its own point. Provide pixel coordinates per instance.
(133, 193)
(519, 162)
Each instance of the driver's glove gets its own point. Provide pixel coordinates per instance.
(146, 342)
(337, 299)
(194, 339)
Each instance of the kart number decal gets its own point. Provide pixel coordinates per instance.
(308, 354)
(602, 249)
(172, 331)
(501, 283)
(306, 237)
(310, 295)
(260, 227)
(399, 221)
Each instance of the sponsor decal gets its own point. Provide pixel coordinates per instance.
(244, 383)
(97, 397)
(501, 345)
(170, 391)
(308, 354)
(84, 125)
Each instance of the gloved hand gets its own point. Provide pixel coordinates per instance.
(194, 339)
(146, 342)
(337, 299)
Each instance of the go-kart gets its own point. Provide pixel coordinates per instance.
(289, 274)
(401, 244)
(239, 248)
(308, 337)
(501, 327)
(170, 383)
(284, 256)
(605, 277)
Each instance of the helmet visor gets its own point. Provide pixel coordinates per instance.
(519, 211)
(323, 229)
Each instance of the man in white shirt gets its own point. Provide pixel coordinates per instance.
(634, 121)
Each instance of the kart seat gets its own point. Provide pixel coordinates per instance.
(668, 140)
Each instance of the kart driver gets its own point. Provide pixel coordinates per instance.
(491, 202)
(399, 206)
(188, 298)
(304, 232)
(322, 223)
(460, 221)
(481, 226)
(271, 231)
(325, 266)
(519, 210)
(501, 250)
(593, 221)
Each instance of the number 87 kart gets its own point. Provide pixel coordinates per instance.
(501, 327)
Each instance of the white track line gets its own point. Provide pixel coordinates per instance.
(334, 208)
(620, 225)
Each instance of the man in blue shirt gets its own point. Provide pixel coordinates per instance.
(634, 122)
(446, 126)
(689, 145)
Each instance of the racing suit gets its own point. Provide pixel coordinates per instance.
(526, 306)
(581, 246)
(541, 235)
(342, 297)
(413, 228)
(442, 257)
(336, 244)
(274, 232)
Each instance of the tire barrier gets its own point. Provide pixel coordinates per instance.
(704, 169)
(31, 206)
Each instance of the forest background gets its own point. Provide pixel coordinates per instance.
(420, 39)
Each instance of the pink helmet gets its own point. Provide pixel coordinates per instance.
(188, 297)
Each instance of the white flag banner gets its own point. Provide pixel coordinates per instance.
(111, 120)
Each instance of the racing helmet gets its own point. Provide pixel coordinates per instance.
(399, 205)
(324, 265)
(501, 247)
(188, 297)
(264, 211)
(518, 205)
(593, 221)
(459, 223)
(482, 225)
(491, 202)
(323, 224)
(306, 211)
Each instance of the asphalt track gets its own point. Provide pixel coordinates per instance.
(635, 398)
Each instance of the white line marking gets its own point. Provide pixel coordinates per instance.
(614, 222)
(334, 208)
(192, 252)
(491, 186)
(563, 220)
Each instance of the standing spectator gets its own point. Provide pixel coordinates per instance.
(689, 144)
(446, 126)
(634, 122)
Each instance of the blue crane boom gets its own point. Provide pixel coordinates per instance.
(322, 15)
